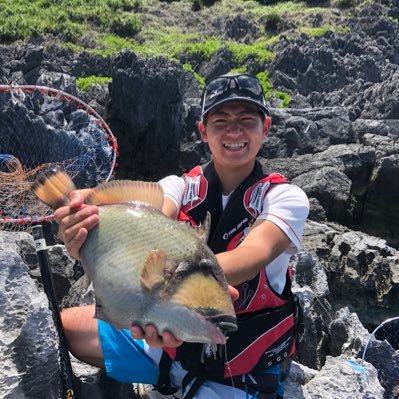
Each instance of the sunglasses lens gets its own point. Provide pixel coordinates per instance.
(231, 86)
(214, 89)
(249, 83)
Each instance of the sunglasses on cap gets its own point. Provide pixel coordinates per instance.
(239, 87)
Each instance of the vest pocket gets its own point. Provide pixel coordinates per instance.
(269, 338)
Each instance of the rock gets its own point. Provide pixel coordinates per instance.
(343, 378)
(148, 111)
(28, 343)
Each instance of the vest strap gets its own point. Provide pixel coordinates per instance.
(164, 385)
(199, 379)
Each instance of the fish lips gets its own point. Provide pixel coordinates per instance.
(226, 323)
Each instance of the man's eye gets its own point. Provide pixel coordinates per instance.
(248, 120)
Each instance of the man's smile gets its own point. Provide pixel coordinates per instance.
(234, 146)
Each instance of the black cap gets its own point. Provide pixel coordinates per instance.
(233, 87)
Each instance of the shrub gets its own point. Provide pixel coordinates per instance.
(126, 25)
(200, 79)
(197, 5)
(273, 22)
(284, 97)
(69, 31)
(345, 3)
(84, 84)
(125, 5)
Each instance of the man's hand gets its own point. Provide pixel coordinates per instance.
(150, 333)
(75, 221)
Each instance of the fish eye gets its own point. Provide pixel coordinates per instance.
(205, 264)
(208, 266)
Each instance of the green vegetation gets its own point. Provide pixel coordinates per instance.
(322, 30)
(284, 98)
(188, 31)
(204, 49)
(346, 3)
(22, 19)
(84, 84)
(200, 79)
(258, 51)
(394, 20)
(126, 25)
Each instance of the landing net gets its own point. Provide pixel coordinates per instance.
(42, 128)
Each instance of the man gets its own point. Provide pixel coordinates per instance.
(257, 221)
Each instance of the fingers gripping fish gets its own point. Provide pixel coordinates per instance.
(145, 267)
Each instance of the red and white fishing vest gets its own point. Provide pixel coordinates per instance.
(266, 319)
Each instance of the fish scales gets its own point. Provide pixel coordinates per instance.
(125, 238)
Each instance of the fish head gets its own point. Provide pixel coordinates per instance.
(202, 288)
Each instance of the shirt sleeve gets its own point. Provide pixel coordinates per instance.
(287, 206)
(173, 188)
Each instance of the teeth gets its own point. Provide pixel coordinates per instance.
(234, 146)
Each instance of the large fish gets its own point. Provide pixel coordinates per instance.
(146, 267)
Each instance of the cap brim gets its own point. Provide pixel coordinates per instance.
(262, 107)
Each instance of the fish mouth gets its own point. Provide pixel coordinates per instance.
(225, 322)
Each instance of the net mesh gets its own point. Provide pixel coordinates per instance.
(382, 351)
(40, 129)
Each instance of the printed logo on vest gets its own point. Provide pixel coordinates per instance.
(254, 197)
(234, 230)
(195, 191)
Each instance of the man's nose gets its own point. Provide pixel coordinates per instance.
(234, 127)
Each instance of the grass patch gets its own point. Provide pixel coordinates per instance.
(69, 19)
(394, 20)
(204, 48)
(200, 79)
(322, 30)
(84, 84)
(267, 86)
(284, 97)
(257, 51)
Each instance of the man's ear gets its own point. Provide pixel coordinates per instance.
(267, 123)
(202, 131)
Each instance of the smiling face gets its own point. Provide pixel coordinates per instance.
(234, 133)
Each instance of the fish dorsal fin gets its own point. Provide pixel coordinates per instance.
(204, 228)
(152, 275)
(124, 191)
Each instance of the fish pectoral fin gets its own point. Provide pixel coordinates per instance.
(152, 275)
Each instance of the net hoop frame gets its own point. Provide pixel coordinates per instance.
(71, 99)
(373, 335)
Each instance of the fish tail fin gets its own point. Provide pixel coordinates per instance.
(124, 191)
(53, 188)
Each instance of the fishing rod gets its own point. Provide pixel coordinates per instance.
(67, 377)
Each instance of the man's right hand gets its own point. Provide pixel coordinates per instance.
(75, 221)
